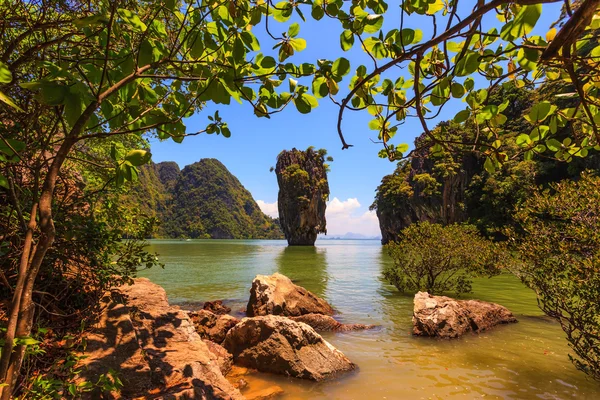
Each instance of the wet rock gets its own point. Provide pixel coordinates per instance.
(216, 307)
(277, 295)
(153, 346)
(282, 346)
(325, 323)
(221, 356)
(303, 193)
(445, 317)
(211, 326)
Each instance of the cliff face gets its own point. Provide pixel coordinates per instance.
(419, 191)
(204, 200)
(303, 193)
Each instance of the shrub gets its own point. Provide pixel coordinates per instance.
(560, 248)
(440, 258)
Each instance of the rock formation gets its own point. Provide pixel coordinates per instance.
(212, 326)
(418, 191)
(303, 193)
(277, 295)
(282, 346)
(216, 307)
(444, 317)
(154, 347)
(325, 323)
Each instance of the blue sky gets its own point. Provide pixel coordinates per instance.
(255, 142)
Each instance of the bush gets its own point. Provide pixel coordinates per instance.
(560, 247)
(438, 258)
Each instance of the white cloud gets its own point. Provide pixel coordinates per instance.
(336, 206)
(342, 217)
(268, 208)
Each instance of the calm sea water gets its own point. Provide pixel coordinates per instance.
(527, 360)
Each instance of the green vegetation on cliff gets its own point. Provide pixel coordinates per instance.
(303, 194)
(448, 185)
(204, 200)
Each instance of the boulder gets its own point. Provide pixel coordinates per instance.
(282, 346)
(211, 326)
(216, 307)
(221, 356)
(444, 317)
(153, 346)
(277, 295)
(325, 323)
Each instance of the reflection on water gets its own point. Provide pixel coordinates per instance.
(305, 265)
(518, 361)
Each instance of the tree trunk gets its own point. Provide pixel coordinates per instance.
(22, 307)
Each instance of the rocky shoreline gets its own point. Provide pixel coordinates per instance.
(161, 351)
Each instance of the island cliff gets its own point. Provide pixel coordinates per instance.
(303, 194)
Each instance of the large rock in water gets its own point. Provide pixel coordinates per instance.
(303, 194)
(154, 347)
(277, 295)
(282, 346)
(444, 317)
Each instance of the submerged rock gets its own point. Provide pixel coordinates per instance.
(303, 194)
(154, 347)
(277, 295)
(445, 317)
(211, 326)
(325, 323)
(282, 346)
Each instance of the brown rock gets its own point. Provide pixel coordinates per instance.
(154, 347)
(277, 295)
(445, 317)
(211, 326)
(282, 346)
(221, 356)
(325, 323)
(216, 307)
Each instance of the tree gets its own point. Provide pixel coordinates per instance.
(76, 73)
(438, 258)
(560, 250)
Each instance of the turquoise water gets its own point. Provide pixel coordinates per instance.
(527, 360)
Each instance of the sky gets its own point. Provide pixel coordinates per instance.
(255, 142)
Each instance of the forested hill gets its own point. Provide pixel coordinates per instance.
(204, 200)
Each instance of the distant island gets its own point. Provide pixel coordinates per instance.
(349, 236)
(202, 201)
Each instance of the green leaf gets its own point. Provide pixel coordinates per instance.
(457, 89)
(346, 40)
(525, 20)
(553, 145)
(540, 111)
(294, 30)
(5, 74)
(138, 157)
(4, 182)
(298, 44)
(402, 148)
(468, 64)
(132, 20)
(305, 103)
(489, 165)
(373, 23)
(340, 67)
(26, 341)
(7, 100)
(462, 116)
